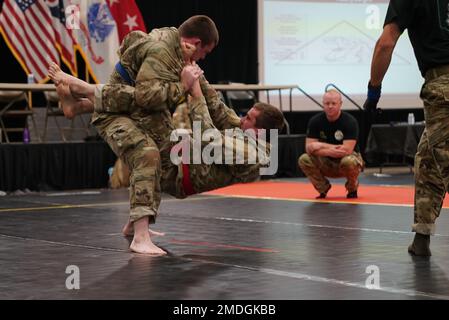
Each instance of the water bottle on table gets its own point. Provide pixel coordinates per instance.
(411, 118)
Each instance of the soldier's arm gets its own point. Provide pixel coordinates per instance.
(222, 116)
(383, 52)
(199, 111)
(322, 149)
(116, 97)
(153, 91)
(316, 148)
(348, 146)
(247, 148)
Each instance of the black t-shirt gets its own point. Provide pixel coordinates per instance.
(345, 127)
(427, 22)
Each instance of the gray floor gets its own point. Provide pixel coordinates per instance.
(219, 248)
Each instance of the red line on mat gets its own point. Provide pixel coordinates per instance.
(218, 245)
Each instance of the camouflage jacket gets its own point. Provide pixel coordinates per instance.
(154, 61)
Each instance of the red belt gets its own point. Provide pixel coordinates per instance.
(186, 182)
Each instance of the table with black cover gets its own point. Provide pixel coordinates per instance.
(397, 141)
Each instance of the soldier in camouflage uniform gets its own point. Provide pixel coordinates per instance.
(428, 29)
(136, 126)
(207, 109)
(153, 63)
(181, 117)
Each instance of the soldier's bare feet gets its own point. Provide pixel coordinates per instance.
(155, 233)
(57, 75)
(144, 245)
(78, 88)
(82, 89)
(128, 231)
(70, 105)
(142, 240)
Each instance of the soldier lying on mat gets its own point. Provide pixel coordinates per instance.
(232, 156)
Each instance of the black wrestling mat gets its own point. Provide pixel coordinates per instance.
(69, 246)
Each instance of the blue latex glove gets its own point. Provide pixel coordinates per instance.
(372, 97)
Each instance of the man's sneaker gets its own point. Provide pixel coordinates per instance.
(420, 245)
(352, 195)
(323, 194)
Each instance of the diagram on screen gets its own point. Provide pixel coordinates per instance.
(341, 44)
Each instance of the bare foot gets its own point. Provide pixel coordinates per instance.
(128, 231)
(155, 233)
(70, 105)
(146, 246)
(82, 89)
(78, 88)
(57, 75)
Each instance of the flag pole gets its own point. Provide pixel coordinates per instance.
(86, 72)
(30, 80)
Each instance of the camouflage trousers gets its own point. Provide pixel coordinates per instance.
(318, 168)
(210, 177)
(432, 157)
(142, 140)
(151, 168)
(141, 154)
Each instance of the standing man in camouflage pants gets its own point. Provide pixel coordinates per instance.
(428, 28)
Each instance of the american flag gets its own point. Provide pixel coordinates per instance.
(65, 40)
(26, 26)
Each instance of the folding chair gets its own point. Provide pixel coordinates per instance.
(12, 98)
(53, 109)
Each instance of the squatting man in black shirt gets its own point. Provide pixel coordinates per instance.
(331, 146)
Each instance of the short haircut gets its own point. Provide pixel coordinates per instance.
(201, 27)
(334, 92)
(270, 117)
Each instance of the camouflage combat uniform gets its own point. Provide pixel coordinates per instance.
(432, 157)
(138, 134)
(428, 30)
(181, 117)
(212, 113)
(318, 168)
(141, 133)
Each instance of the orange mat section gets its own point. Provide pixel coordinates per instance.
(368, 194)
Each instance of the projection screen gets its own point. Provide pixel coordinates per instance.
(314, 43)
